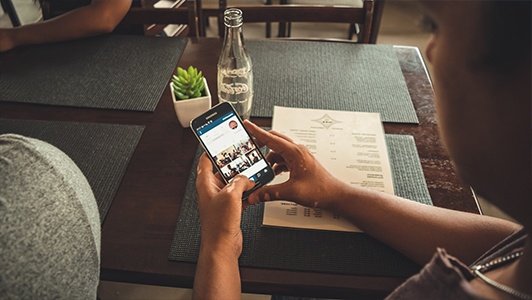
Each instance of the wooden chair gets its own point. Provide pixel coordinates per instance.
(204, 14)
(378, 9)
(354, 29)
(362, 17)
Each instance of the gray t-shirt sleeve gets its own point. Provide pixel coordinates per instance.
(49, 224)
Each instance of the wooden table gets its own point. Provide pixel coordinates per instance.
(139, 227)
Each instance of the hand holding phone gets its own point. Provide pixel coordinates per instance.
(310, 184)
(230, 147)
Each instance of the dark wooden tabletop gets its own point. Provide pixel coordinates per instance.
(139, 227)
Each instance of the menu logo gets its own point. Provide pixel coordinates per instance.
(326, 121)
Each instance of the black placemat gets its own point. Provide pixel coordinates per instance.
(334, 76)
(101, 151)
(313, 250)
(110, 71)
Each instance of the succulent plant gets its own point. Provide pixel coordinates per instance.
(188, 84)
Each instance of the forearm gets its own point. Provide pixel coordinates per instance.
(415, 229)
(412, 228)
(217, 275)
(220, 208)
(97, 18)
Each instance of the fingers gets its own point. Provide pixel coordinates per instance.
(272, 192)
(245, 205)
(274, 158)
(218, 176)
(204, 163)
(273, 132)
(239, 185)
(277, 162)
(278, 169)
(204, 167)
(273, 140)
(259, 143)
(207, 185)
(205, 170)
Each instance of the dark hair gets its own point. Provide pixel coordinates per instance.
(508, 34)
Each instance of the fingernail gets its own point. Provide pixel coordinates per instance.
(267, 197)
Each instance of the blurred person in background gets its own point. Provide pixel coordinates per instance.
(81, 19)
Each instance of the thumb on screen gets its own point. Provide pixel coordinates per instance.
(241, 183)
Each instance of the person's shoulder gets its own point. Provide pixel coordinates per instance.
(515, 240)
(22, 148)
(19, 145)
(444, 277)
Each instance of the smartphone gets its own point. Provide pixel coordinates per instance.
(230, 147)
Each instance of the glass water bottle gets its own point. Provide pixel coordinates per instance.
(235, 71)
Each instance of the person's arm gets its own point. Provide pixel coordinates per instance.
(220, 208)
(412, 228)
(100, 17)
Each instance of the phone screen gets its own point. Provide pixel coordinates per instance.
(230, 146)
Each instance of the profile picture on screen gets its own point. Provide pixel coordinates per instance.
(233, 124)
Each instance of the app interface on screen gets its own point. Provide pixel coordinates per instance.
(232, 149)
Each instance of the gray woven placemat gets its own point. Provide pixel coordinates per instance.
(334, 76)
(110, 71)
(101, 151)
(313, 250)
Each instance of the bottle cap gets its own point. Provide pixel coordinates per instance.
(233, 17)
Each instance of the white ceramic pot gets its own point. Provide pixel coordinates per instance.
(186, 110)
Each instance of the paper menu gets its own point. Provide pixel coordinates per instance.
(350, 145)
(290, 214)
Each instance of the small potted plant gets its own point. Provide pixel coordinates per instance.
(190, 95)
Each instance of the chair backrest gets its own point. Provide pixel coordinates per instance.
(287, 13)
(155, 19)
